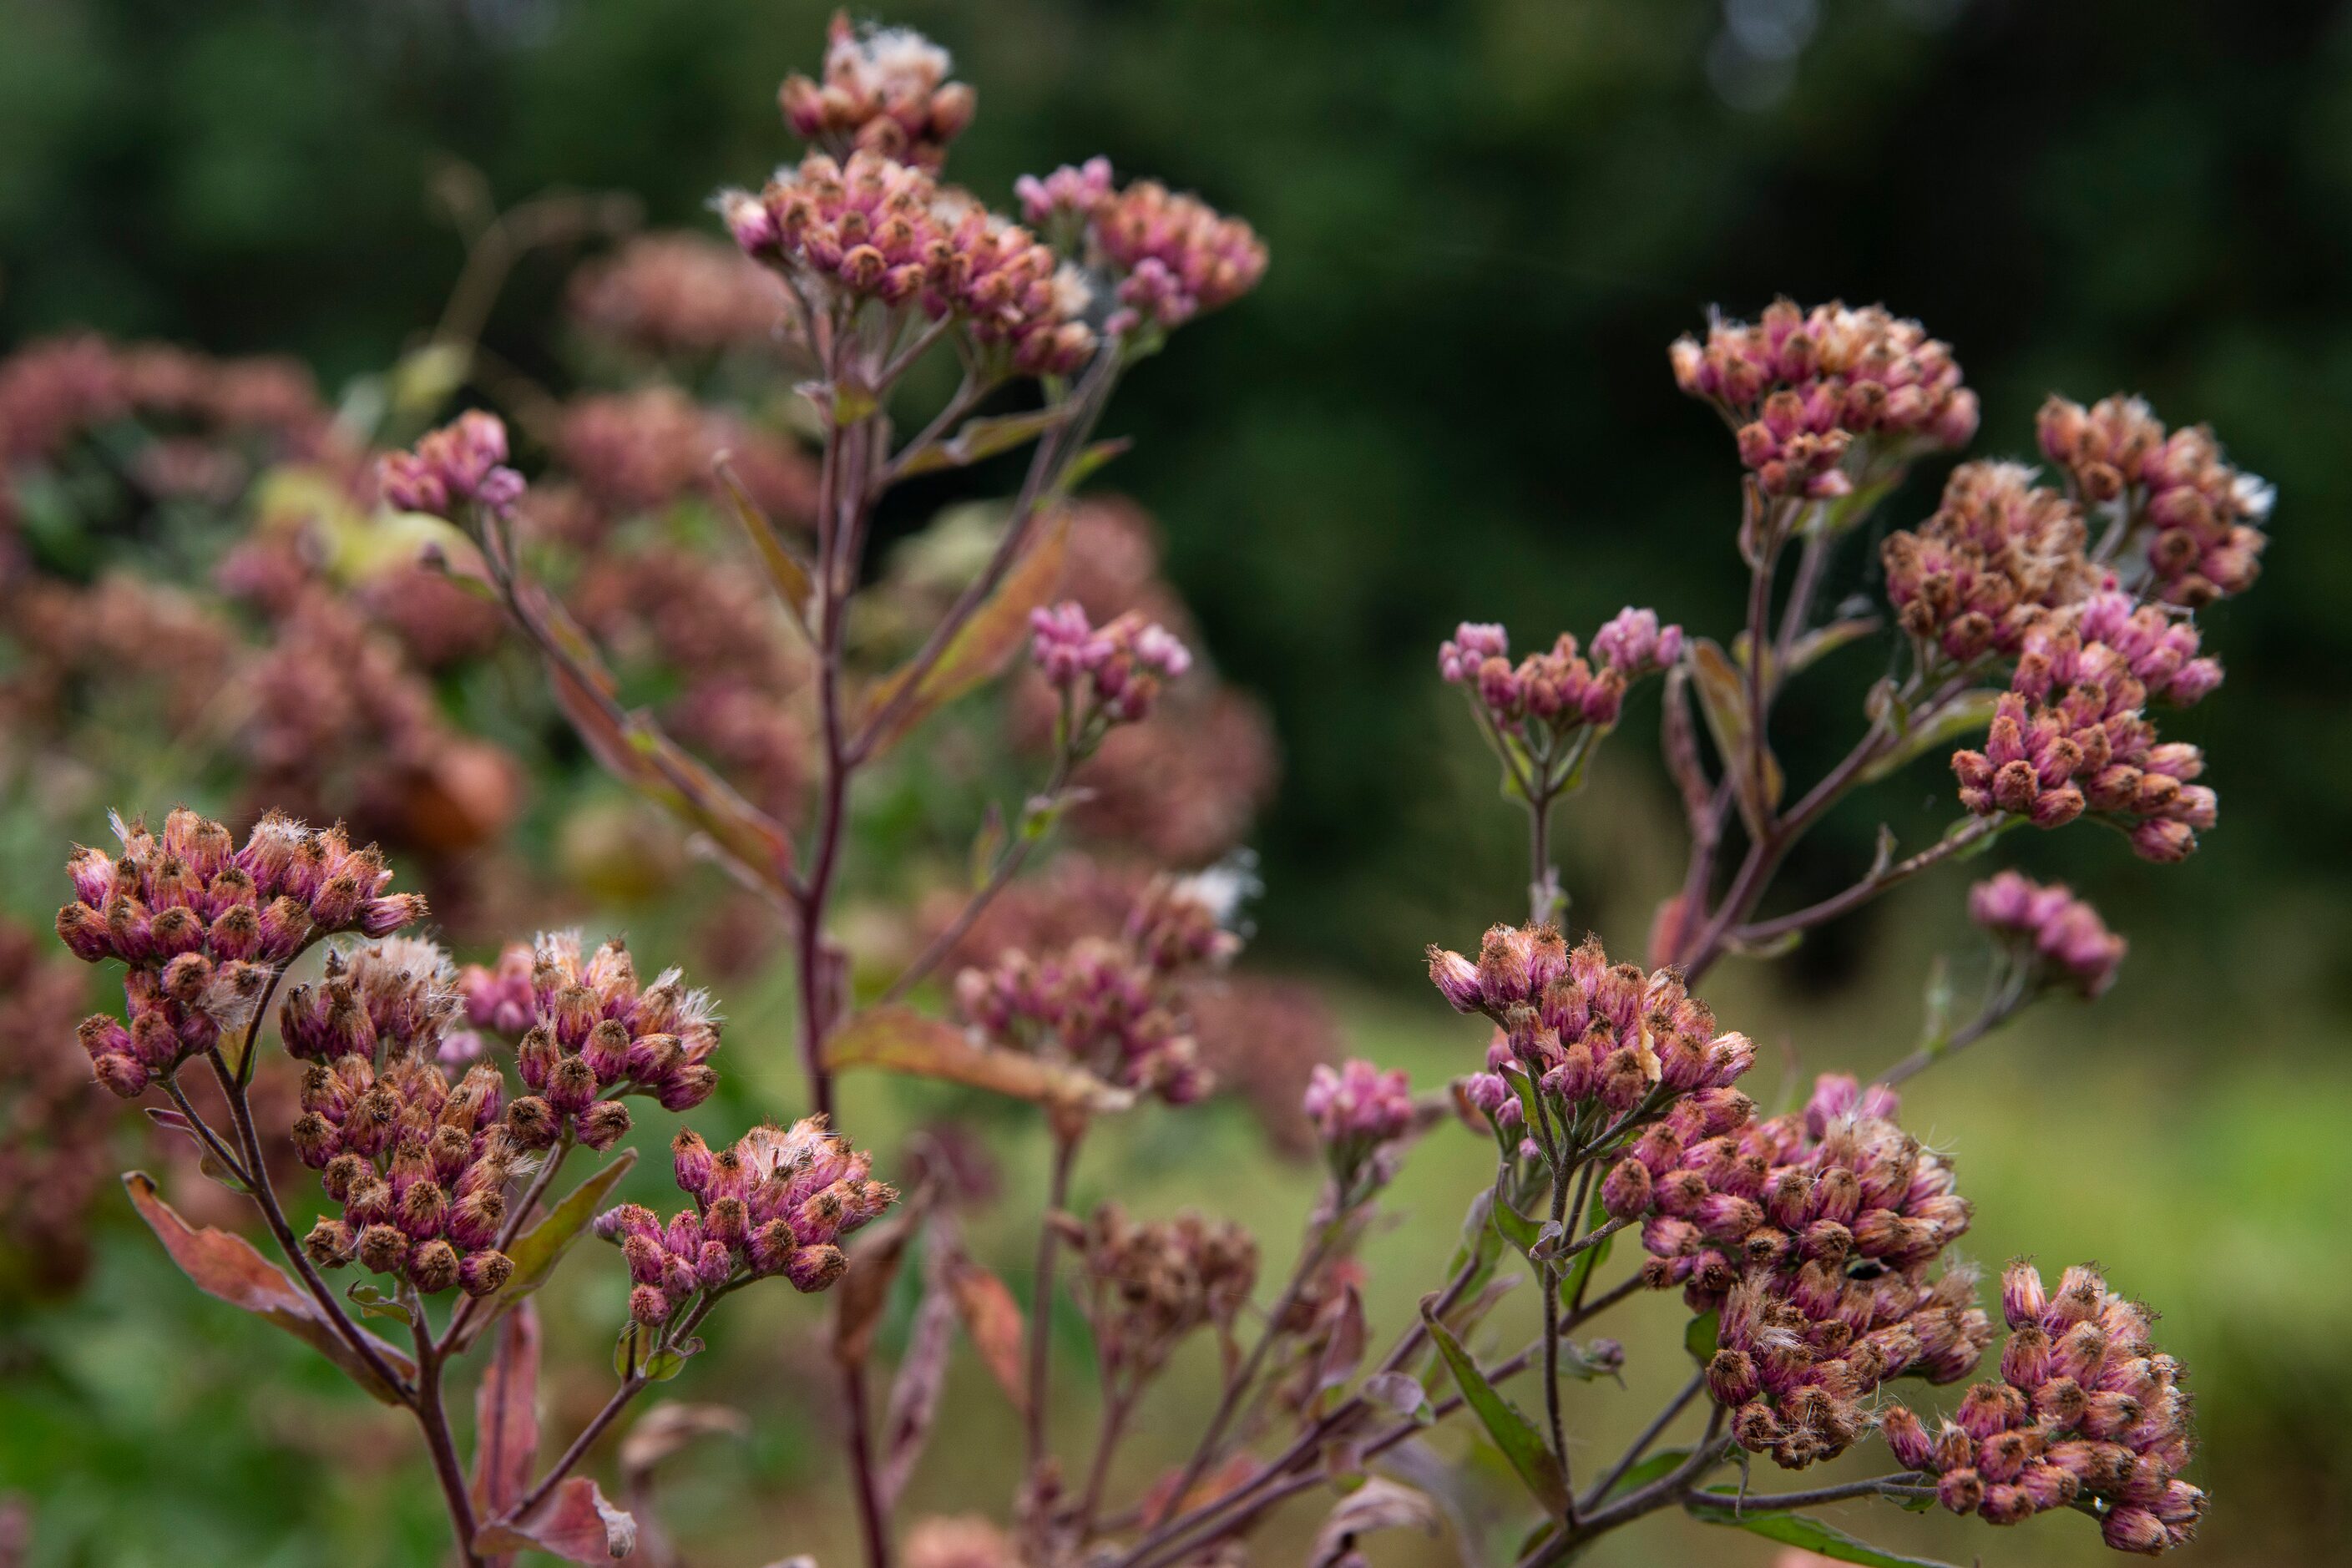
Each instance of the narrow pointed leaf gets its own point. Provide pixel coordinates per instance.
(1723, 698)
(981, 438)
(1965, 715)
(786, 573)
(225, 1266)
(903, 1040)
(1798, 1530)
(1654, 1467)
(537, 1250)
(506, 1415)
(1513, 1433)
(915, 1392)
(864, 1288)
(993, 1320)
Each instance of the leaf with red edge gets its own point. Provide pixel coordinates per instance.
(225, 1266)
(506, 1415)
(574, 1521)
(903, 1040)
(993, 1320)
(985, 643)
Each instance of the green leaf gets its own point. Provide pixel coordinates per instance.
(982, 438)
(537, 1250)
(1083, 467)
(787, 574)
(1699, 1339)
(373, 1303)
(1514, 1434)
(1716, 1507)
(660, 1366)
(1654, 1467)
(1964, 715)
(1723, 698)
(1518, 1229)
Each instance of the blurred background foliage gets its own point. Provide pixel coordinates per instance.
(1450, 399)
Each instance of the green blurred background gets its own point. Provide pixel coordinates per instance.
(1450, 399)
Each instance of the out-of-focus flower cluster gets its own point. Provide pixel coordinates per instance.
(1803, 387)
(1111, 1006)
(54, 1121)
(590, 1033)
(1815, 1233)
(677, 295)
(462, 464)
(777, 1201)
(1557, 691)
(2048, 930)
(1109, 674)
(2087, 1413)
(202, 925)
(1151, 1285)
(1361, 1116)
(1998, 554)
(2198, 521)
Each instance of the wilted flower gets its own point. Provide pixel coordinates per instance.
(203, 924)
(2087, 1414)
(1151, 1285)
(2050, 930)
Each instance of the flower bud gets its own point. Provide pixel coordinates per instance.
(603, 1124)
(1625, 1193)
(648, 1306)
(433, 1266)
(330, 1243)
(1731, 1377)
(381, 1248)
(483, 1273)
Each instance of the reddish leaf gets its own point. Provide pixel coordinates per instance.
(670, 1427)
(786, 572)
(986, 642)
(903, 1040)
(506, 1415)
(992, 1318)
(864, 1288)
(915, 1393)
(1345, 1350)
(226, 1266)
(573, 1522)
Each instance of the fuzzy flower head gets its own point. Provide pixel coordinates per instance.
(1546, 697)
(1065, 201)
(1816, 1234)
(2086, 1413)
(1804, 387)
(2196, 521)
(398, 994)
(1999, 555)
(779, 1201)
(1151, 1285)
(2048, 929)
(203, 924)
(1361, 1116)
(1173, 256)
(418, 1169)
(460, 464)
(1009, 289)
(886, 91)
(591, 1033)
(1114, 671)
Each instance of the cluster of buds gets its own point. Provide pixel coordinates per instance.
(399, 992)
(591, 1034)
(2071, 735)
(2202, 518)
(1065, 201)
(1112, 1007)
(2047, 931)
(778, 1201)
(1107, 675)
(1151, 1285)
(461, 464)
(885, 91)
(419, 1168)
(202, 925)
(2087, 1414)
(1557, 691)
(1010, 289)
(1176, 255)
(1998, 554)
(1802, 387)
(676, 294)
(1586, 1032)
(1361, 1117)
(1815, 1234)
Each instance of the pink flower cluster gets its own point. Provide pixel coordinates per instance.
(202, 925)
(462, 463)
(2202, 518)
(1360, 1115)
(419, 1169)
(2050, 929)
(778, 1201)
(676, 294)
(1814, 1232)
(398, 990)
(1179, 256)
(1121, 663)
(1109, 1006)
(1802, 386)
(2087, 1414)
(1584, 1029)
(1557, 689)
(592, 1034)
(2072, 735)
(1009, 289)
(1073, 192)
(885, 91)
(1998, 554)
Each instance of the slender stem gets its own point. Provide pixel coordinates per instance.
(1996, 1013)
(1870, 887)
(1641, 1444)
(1204, 1453)
(872, 1522)
(455, 1336)
(969, 392)
(264, 1196)
(1008, 866)
(1549, 1278)
(433, 1420)
(204, 1134)
(1115, 1409)
(1041, 1300)
(1541, 898)
(1905, 1483)
(1631, 1286)
(1578, 1206)
(631, 1386)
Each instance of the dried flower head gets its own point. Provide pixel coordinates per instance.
(886, 91)
(202, 925)
(1151, 1285)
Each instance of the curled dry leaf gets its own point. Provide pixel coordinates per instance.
(574, 1522)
